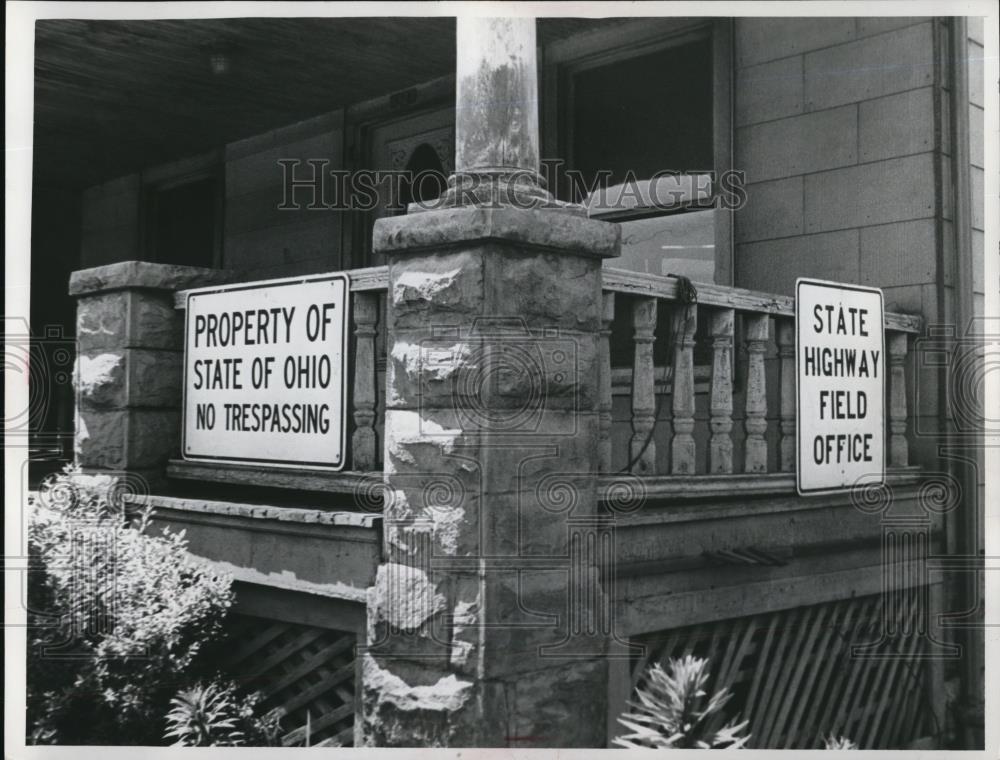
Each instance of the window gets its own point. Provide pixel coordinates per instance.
(182, 213)
(642, 116)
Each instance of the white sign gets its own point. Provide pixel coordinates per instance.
(840, 372)
(264, 372)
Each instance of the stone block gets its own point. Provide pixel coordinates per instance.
(129, 378)
(769, 91)
(902, 59)
(101, 321)
(563, 706)
(155, 378)
(125, 275)
(416, 445)
(903, 253)
(153, 436)
(436, 289)
(534, 229)
(430, 708)
(153, 322)
(101, 379)
(102, 438)
(773, 210)
(126, 439)
(534, 619)
(543, 290)
(490, 377)
(766, 39)
(774, 265)
(878, 193)
(897, 125)
(433, 514)
(799, 144)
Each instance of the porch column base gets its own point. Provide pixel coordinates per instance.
(487, 624)
(129, 364)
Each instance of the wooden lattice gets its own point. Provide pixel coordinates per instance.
(794, 677)
(307, 672)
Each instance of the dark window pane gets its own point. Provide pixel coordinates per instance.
(184, 230)
(647, 114)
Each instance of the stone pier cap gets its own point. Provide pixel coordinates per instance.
(535, 228)
(145, 275)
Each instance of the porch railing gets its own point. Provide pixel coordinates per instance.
(704, 327)
(725, 360)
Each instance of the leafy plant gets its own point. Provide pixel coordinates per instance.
(672, 710)
(217, 715)
(838, 742)
(118, 618)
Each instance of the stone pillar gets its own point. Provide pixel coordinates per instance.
(488, 624)
(129, 364)
(496, 113)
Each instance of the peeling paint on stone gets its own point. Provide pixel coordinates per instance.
(99, 375)
(465, 616)
(448, 694)
(404, 597)
(447, 526)
(410, 428)
(410, 287)
(432, 362)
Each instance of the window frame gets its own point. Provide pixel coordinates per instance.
(153, 181)
(561, 60)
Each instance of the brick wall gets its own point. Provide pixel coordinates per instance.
(261, 240)
(840, 129)
(834, 126)
(110, 222)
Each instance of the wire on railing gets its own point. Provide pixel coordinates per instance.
(687, 295)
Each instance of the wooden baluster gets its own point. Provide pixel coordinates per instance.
(721, 399)
(899, 452)
(643, 454)
(756, 404)
(365, 309)
(682, 446)
(785, 329)
(604, 357)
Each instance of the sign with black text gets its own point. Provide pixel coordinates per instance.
(264, 372)
(840, 380)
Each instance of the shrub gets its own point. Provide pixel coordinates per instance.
(118, 618)
(672, 711)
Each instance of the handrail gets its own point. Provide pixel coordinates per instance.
(665, 287)
(363, 280)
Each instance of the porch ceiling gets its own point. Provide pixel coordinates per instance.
(114, 96)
